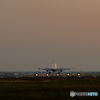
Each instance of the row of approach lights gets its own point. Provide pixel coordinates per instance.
(57, 74)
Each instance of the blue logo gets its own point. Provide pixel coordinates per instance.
(92, 94)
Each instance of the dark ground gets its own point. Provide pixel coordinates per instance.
(48, 88)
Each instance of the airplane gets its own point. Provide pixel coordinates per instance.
(54, 69)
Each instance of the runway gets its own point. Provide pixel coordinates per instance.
(45, 78)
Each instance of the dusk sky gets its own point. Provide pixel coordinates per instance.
(34, 33)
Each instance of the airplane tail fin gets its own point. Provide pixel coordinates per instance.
(54, 66)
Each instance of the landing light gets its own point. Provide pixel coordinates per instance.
(47, 75)
(78, 74)
(36, 75)
(68, 74)
(57, 74)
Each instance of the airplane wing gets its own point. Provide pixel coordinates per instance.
(61, 69)
(58, 69)
(49, 69)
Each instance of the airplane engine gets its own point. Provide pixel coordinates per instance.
(47, 70)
